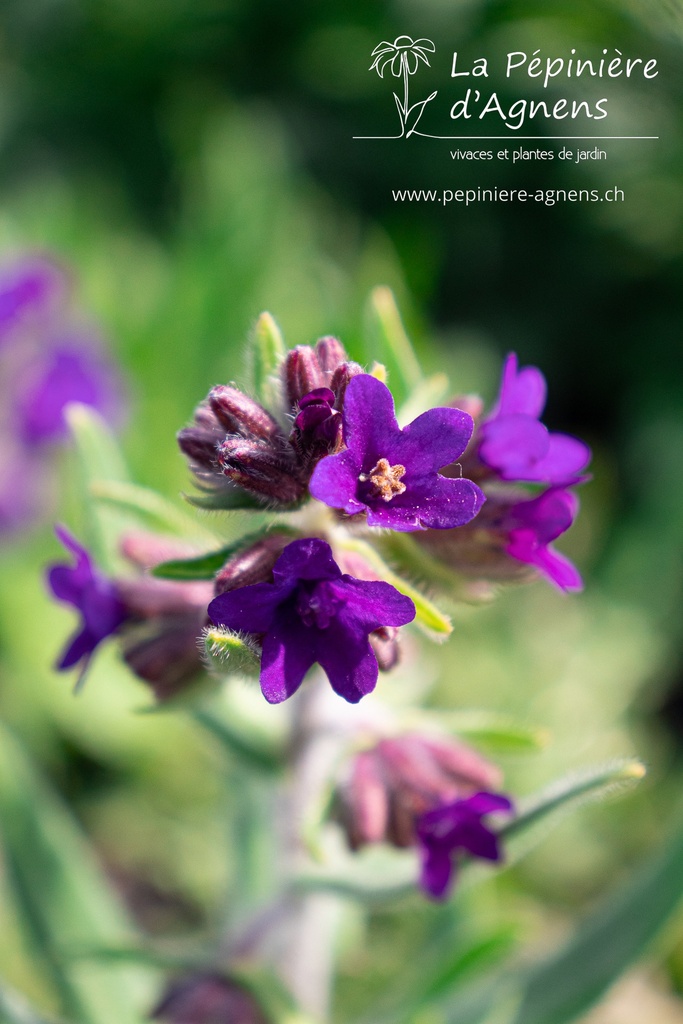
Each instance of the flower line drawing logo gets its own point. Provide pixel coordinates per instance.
(403, 57)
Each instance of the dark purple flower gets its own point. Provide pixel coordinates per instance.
(392, 474)
(95, 597)
(73, 371)
(533, 525)
(514, 443)
(312, 613)
(456, 828)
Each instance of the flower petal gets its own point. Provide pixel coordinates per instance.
(513, 445)
(521, 391)
(440, 503)
(348, 661)
(369, 419)
(335, 481)
(81, 646)
(288, 653)
(370, 604)
(306, 559)
(566, 458)
(250, 609)
(437, 870)
(433, 440)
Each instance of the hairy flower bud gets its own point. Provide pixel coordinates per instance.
(330, 353)
(253, 564)
(199, 441)
(208, 999)
(385, 644)
(341, 378)
(239, 414)
(302, 374)
(261, 469)
(399, 779)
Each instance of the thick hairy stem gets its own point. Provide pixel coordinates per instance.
(305, 948)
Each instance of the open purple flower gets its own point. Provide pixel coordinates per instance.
(392, 474)
(533, 525)
(95, 597)
(312, 613)
(513, 441)
(30, 290)
(456, 828)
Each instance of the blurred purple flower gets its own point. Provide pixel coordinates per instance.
(312, 613)
(208, 999)
(30, 290)
(73, 371)
(392, 474)
(453, 828)
(533, 525)
(92, 594)
(513, 441)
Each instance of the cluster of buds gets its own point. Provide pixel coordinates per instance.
(208, 999)
(235, 443)
(424, 791)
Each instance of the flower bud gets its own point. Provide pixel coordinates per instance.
(399, 779)
(341, 379)
(165, 654)
(385, 644)
(302, 374)
(199, 443)
(252, 565)
(208, 999)
(239, 414)
(330, 353)
(262, 470)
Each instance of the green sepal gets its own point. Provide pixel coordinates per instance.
(229, 653)
(391, 345)
(435, 623)
(205, 567)
(267, 351)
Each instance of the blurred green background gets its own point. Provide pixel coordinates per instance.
(192, 163)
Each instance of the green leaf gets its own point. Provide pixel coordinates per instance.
(428, 393)
(240, 738)
(146, 505)
(100, 459)
(390, 344)
(431, 619)
(14, 1010)
(607, 943)
(571, 791)
(205, 567)
(267, 350)
(495, 732)
(62, 897)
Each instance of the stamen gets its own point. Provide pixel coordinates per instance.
(386, 479)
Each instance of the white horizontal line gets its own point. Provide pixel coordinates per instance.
(487, 138)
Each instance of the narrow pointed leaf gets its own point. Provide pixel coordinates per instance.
(148, 506)
(495, 732)
(390, 343)
(241, 739)
(62, 897)
(267, 353)
(205, 567)
(100, 459)
(224, 499)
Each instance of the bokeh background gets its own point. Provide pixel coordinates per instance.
(191, 164)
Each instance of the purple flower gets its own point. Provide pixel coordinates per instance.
(69, 372)
(392, 474)
(514, 443)
(95, 597)
(453, 828)
(533, 525)
(312, 613)
(29, 289)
